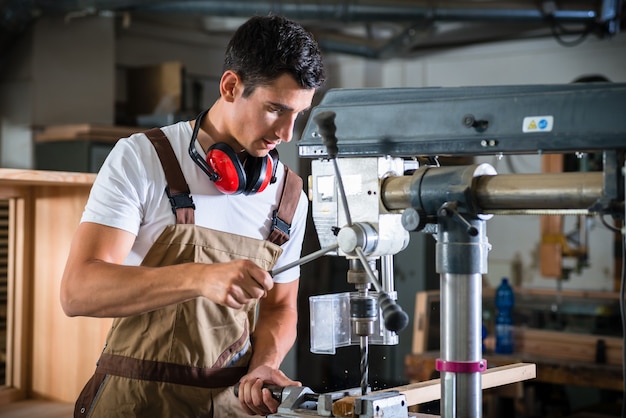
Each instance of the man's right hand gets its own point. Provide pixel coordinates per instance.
(237, 283)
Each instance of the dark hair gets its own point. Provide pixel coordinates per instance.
(266, 47)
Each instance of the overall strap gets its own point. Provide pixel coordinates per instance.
(283, 216)
(182, 203)
(177, 189)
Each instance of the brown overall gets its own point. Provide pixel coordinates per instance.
(181, 360)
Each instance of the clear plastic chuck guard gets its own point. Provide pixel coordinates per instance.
(330, 324)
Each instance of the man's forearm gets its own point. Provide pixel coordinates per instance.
(273, 337)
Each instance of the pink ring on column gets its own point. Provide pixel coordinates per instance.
(461, 366)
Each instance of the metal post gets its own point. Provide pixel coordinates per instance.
(386, 273)
(461, 261)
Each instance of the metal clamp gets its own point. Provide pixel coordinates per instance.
(461, 366)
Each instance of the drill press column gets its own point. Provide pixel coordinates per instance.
(461, 261)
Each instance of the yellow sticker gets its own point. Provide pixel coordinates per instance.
(538, 124)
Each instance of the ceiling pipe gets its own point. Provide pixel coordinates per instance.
(604, 18)
(409, 13)
(572, 11)
(378, 10)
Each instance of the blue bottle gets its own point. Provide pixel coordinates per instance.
(505, 300)
(484, 335)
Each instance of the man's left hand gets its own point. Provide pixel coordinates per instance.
(254, 398)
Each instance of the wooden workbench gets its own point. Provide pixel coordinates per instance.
(50, 356)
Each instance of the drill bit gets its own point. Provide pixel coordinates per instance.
(363, 313)
(364, 364)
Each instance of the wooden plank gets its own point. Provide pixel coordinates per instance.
(489, 292)
(422, 392)
(18, 177)
(567, 345)
(19, 324)
(419, 368)
(551, 252)
(551, 256)
(85, 131)
(607, 377)
(421, 327)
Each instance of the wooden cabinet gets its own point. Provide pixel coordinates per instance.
(49, 355)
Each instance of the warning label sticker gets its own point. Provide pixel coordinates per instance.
(538, 124)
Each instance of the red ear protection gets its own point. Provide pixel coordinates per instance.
(234, 177)
(230, 175)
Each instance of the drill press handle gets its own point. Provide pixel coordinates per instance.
(395, 318)
(326, 125)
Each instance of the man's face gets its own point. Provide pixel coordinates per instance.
(266, 118)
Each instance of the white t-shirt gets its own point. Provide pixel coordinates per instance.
(129, 194)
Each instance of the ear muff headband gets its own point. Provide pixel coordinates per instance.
(200, 162)
(271, 164)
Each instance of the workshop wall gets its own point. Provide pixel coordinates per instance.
(60, 72)
(530, 61)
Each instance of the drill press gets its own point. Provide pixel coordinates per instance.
(366, 196)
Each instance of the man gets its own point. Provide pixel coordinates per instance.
(181, 270)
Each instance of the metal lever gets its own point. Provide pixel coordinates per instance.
(448, 210)
(305, 259)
